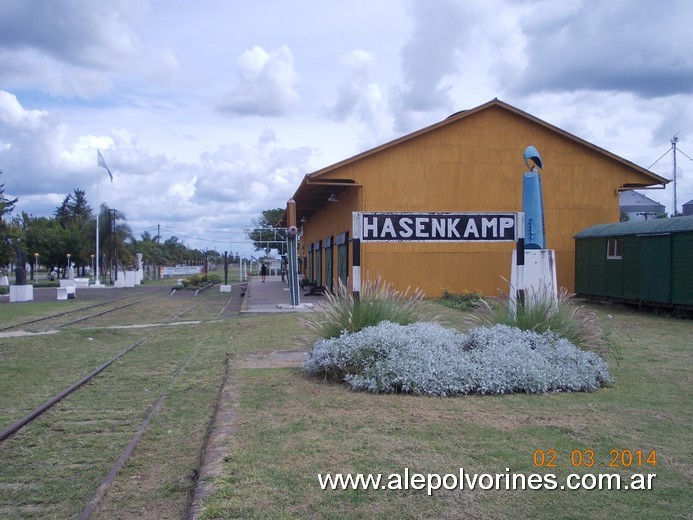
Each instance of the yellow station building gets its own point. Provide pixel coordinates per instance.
(469, 163)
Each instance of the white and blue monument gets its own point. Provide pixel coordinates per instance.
(538, 279)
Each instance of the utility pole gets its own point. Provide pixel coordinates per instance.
(112, 243)
(674, 140)
(291, 238)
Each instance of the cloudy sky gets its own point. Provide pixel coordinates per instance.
(209, 112)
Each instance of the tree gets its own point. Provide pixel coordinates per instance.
(48, 238)
(114, 234)
(267, 235)
(9, 233)
(74, 210)
(75, 216)
(72, 230)
(6, 205)
(152, 251)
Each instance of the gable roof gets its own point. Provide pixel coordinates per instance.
(656, 179)
(633, 202)
(658, 226)
(314, 190)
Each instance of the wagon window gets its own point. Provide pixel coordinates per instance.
(613, 249)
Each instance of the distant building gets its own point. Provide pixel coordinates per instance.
(638, 207)
(687, 208)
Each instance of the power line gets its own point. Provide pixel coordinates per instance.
(651, 165)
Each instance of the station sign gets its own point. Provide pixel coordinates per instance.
(435, 227)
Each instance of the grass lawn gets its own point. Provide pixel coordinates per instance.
(288, 428)
(51, 468)
(291, 428)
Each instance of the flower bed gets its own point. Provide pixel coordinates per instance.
(428, 359)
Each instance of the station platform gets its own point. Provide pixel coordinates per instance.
(272, 295)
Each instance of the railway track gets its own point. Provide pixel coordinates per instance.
(38, 411)
(175, 309)
(43, 319)
(63, 415)
(107, 406)
(62, 319)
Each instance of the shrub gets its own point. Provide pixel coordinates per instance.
(428, 359)
(378, 302)
(466, 301)
(199, 280)
(540, 313)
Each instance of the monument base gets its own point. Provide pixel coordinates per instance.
(21, 293)
(539, 276)
(125, 279)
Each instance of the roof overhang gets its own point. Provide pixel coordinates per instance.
(314, 194)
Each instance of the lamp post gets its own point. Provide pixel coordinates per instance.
(67, 270)
(92, 267)
(36, 255)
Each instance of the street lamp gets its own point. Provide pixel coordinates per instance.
(36, 255)
(92, 266)
(67, 271)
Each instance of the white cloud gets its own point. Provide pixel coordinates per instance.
(172, 96)
(15, 118)
(361, 98)
(428, 58)
(32, 143)
(266, 83)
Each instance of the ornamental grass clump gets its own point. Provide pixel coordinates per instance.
(428, 359)
(542, 313)
(378, 302)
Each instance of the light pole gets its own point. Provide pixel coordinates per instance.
(36, 255)
(68, 265)
(92, 267)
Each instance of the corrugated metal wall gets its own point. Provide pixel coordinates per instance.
(653, 269)
(473, 164)
(682, 268)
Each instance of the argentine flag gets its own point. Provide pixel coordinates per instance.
(101, 163)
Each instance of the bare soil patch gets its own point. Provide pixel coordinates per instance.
(275, 359)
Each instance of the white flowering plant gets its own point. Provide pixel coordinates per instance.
(426, 358)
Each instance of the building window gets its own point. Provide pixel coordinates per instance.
(613, 249)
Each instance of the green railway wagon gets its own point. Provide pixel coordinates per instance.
(649, 262)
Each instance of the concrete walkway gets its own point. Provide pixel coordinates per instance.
(272, 295)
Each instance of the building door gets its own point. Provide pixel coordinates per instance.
(318, 263)
(328, 263)
(656, 269)
(342, 258)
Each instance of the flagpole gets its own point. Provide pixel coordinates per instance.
(98, 210)
(100, 163)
